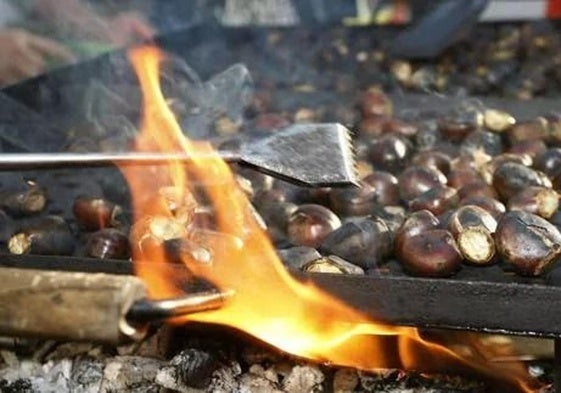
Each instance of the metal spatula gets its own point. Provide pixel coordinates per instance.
(309, 154)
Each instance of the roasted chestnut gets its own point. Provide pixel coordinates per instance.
(536, 200)
(27, 199)
(386, 187)
(510, 178)
(491, 205)
(473, 229)
(108, 243)
(417, 222)
(47, 236)
(308, 225)
(390, 153)
(374, 102)
(364, 242)
(436, 200)
(96, 213)
(415, 181)
(527, 242)
(430, 254)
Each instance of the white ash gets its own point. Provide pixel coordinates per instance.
(130, 374)
(303, 379)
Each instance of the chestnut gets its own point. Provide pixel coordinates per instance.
(497, 120)
(108, 243)
(473, 229)
(26, 199)
(49, 235)
(417, 222)
(374, 102)
(482, 141)
(414, 181)
(549, 162)
(487, 170)
(400, 127)
(477, 187)
(430, 254)
(532, 148)
(385, 187)
(364, 242)
(353, 201)
(536, 200)
(493, 206)
(436, 200)
(458, 178)
(433, 159)
(309, 224)
(332, 264)
(527, 130)
(510, 178)
(96, 213)
(390, 153)
(527, 242)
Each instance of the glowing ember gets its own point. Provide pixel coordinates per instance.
(267, 302)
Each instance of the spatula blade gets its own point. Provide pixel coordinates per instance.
(311, 154)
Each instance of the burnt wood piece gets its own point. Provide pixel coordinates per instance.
(501, 307)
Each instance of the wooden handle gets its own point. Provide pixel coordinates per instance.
(68, 305)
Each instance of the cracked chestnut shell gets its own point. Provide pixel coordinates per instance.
(47, 236)
(536, 200)
(510, 178)
(108, 243)
(527, 242)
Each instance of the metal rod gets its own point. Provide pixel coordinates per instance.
(150, 310)
(557, 365)
(50, 160)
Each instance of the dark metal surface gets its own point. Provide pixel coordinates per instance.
(513, 308)
(502, 307)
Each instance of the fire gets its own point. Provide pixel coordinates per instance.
(237, 257)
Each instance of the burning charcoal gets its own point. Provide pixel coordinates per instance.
(433, 159)
(417, 223)
(96, 213)
(527, 242)
(473, 229)
(491, 205)
(498, 121)
(433, 253)
(536, 200)
(353, 201)
(298, 257)
(415, 181)
(308, 225)
(482, 141)
(374, 103)
(365, 242)
(47, 236)
(390, 153)
(303, 379)
(23, 201)
(386, 187)
(549, 162)
(108, 243)
(510, 178)
(436, 200)
(194, 367)
(332, 264)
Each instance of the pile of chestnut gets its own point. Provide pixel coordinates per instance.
(475, 186)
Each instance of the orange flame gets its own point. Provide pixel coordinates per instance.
(238, 257)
